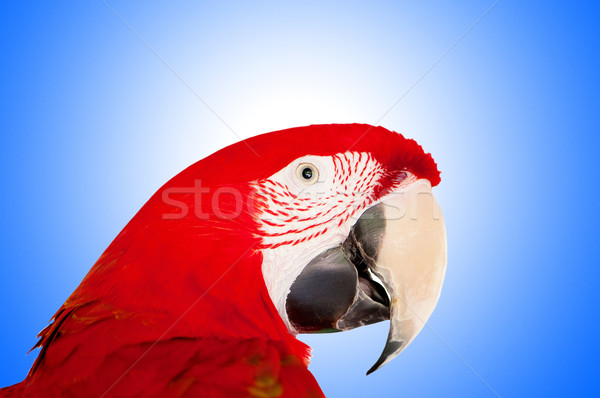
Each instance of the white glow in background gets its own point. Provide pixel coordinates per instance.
(95, 123)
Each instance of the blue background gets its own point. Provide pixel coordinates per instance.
(93, 122)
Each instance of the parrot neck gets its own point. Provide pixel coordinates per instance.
(155, 283)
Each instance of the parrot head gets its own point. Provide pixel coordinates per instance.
(311, 229)
(345, 222)
(352, 234)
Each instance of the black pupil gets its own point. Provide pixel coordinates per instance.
(307, 173)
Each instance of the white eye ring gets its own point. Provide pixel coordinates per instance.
(307, 173)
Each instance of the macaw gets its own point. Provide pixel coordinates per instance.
(310, 229)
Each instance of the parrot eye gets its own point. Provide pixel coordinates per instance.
(307, 173)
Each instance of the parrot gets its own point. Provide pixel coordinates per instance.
(314, 229)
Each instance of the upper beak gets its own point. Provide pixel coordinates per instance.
(399, 243)
(411, 263)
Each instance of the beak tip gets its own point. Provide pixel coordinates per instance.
(390, 351)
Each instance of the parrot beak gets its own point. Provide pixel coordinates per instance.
(411, 262)
(391, 266)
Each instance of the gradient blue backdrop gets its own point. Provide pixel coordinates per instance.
(93, 123)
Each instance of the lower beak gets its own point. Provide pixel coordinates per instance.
(411, 262)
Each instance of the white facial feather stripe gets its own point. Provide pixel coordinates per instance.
(298, 221)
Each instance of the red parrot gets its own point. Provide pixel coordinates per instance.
(310, 229)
